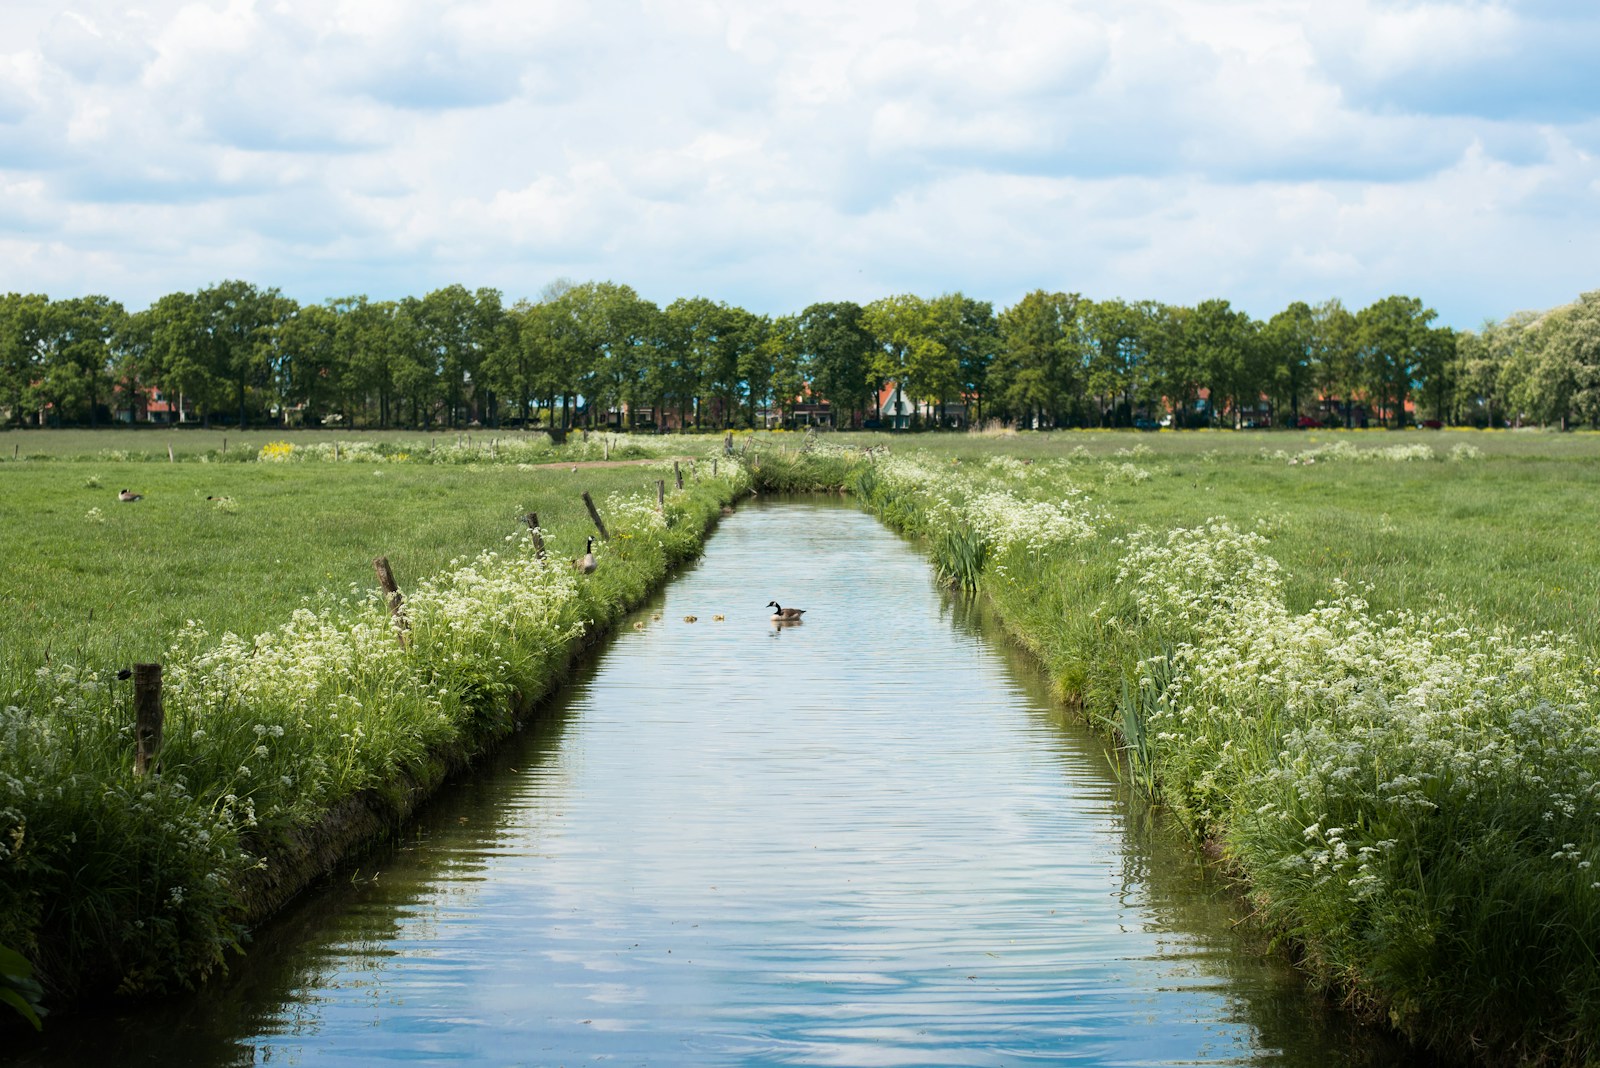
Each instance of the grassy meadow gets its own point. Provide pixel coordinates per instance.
(1360, 667)
(239, 546)
(1512, 534)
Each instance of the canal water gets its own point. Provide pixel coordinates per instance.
(868, 839)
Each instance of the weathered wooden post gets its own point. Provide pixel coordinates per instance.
(594, 513)
(171, 459)
(532, 519)
(147, 716)
(605, 447)
(713, 467)
(755, 461)
(661, 495)
(391, 591)
(336, 452)
(727, 443)
(17, 447)
(677, 472)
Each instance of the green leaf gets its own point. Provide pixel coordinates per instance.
(14, 963)
(16, 1001)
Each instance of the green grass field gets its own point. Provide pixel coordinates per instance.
(94, 579)
(1513, 535)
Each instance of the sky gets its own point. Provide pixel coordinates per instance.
(775, 153)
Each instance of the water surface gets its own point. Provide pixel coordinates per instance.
(869, 839)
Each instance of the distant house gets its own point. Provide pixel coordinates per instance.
(895, 409)
(148, 404)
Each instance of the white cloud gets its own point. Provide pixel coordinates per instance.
(786, 152)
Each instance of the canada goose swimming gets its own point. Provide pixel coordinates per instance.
(781, 614)
(587, 562)
(129, 495)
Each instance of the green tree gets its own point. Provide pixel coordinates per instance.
(1437, 372)
(456, 327)
(365, 356)
(22, 344)
(519, 366)
(1118, 374)
(1391, 336)
(183, 358)
(838, 353)
(1335, 357)
(1560, 372)
(303, 358)
(1578, 342)
(1290, 338)
(904, 348)
(1040, 360)
(716, 342)
(237, 323)
(1174, 370)
(74, 350)
(599, 330)
(783, 345)
(1226, 347)
(963, 335)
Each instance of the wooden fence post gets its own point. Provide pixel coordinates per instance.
(661, 495)
(594, 513)
(391, 592)
(713, 467)
(532, 519)
(727, 443)
(147, 716)
(677, 473)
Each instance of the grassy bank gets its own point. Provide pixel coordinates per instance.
(296, 721)
(1364, 674)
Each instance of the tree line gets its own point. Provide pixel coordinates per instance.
(243, 354)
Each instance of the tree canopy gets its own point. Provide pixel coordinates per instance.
(597, 351)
